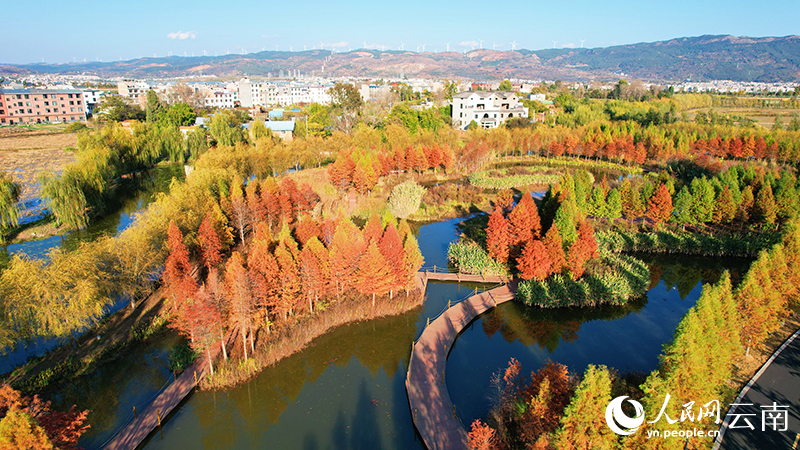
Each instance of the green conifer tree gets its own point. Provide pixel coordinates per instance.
(766, 211)
(614, 204)
(580, 427)
(702, 200)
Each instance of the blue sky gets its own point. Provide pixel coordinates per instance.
(60, 31)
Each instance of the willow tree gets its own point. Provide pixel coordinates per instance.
(9, 196)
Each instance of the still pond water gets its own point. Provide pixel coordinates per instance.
(346, 391)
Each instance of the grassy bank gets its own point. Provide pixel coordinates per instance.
(293, 338)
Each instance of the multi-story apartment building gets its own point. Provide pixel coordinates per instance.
(91, 97)
(18, 106)
(222, 99)
(132, 89)
(252, 93)
(489, 109)
(249, 93)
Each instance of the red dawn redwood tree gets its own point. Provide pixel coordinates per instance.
(270, 200)
(239, 297)
(200, 321)
(210, 243)
(313, 265)
(582, 250)
(27, 422)
(659, 208)
(290, 279)
(552, 242)
(498, 237)
(519, 224)
(177, 269)
(264, 274)
(373, 230)
(391, 248)
(482, 436)
(534, 262)
(374, 273)
(345, 253)
(306, 229)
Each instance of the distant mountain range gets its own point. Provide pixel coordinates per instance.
(766, 59)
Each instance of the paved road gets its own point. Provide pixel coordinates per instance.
(779, 383)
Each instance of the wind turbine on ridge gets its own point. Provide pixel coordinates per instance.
(582, 41)
(513, 45)
(554, 44)
(448, 46)
(481, 43)
(423, 47)
(402, 46)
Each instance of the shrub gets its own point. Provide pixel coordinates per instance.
(405, 199)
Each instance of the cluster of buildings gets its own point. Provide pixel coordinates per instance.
(243, 93)
(249, 93)
(728, 86)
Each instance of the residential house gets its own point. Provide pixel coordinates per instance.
(489, 109)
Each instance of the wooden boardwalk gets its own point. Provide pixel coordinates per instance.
(431, 408)
(148, 420)
(462, 277)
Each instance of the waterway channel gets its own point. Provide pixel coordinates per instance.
(347, 389)
(133, 196)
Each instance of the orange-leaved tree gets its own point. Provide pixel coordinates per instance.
(177, 276)
(659, 208)
(239, 297)
(210, 243)
(374, 273)
(534, 262)
(498, 237)
(582, 250)
(391, 248)
(552, 242)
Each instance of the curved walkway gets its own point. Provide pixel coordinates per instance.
(432, 410)
(777, 382)
(147, 420)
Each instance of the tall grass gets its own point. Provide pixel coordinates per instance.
(500, 179)
(685, 242)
